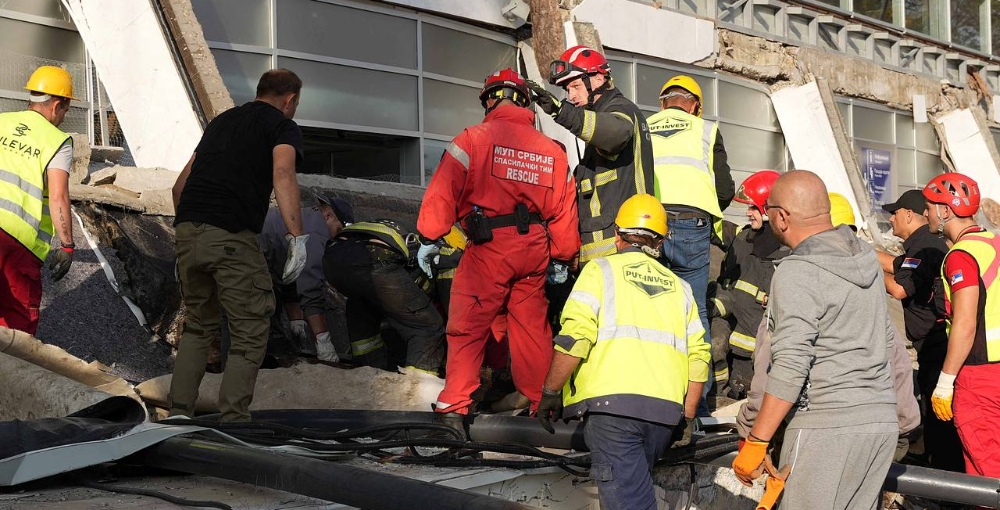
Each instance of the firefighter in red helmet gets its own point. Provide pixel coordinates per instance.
(618, 160)
(510, 187)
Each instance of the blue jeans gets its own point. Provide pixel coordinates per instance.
(622, 454)
(686, 253)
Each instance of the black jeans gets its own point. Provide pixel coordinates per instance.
(377, 288)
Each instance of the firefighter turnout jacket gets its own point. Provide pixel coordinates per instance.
(746, 275)
(496, 165)
(28, 142)
(985, 248)
(636, 328)
(617, 163)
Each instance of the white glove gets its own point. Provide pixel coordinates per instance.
(296, 260)
(324, 348)
(425, 255)
(299, 328)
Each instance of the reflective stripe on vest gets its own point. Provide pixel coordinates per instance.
(28, 142)
(367, 345)
(985, 248)
(683, 157)
(758, 294)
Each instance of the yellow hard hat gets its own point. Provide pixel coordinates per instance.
(841, 212)
(51, 80)
(642, 212)
(687, 83)
(456, 238)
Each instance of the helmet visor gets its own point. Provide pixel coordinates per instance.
(560, 70)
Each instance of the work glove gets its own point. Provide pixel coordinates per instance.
(772, 490)
(296, 260)
(59, 262)
(550, 409)
(427, 255)
(544, 99)
(942, 396)
(557, 273)
(324, 348)
(747, 464)
(682, 433)
(300, 330)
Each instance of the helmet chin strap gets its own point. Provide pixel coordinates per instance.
(941, 221)
(591, 92)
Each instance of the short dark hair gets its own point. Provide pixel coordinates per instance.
(638, 239)
(278, 82)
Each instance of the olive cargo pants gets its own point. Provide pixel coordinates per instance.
(220, 268)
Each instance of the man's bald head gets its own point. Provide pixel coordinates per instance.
(802, 194)
(798, 207)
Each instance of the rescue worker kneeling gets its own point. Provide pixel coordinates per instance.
(365, 263)
(631, 358)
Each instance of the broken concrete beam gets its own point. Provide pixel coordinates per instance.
(141, 180)
(153, 203)
(102, 176)
(316, 386)
(197, 58)
(718, 488)
(81, 159)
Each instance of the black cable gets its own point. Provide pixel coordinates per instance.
(152, 494)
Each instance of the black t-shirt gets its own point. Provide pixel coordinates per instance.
(918, 271)
(231, 179)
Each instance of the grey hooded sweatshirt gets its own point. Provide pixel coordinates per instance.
(831, 336)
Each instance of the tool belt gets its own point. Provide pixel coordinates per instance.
(687, 214)
(479, 227)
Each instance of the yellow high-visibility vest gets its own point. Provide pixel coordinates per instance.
(28, 142)
(984, 247)
(635, 326)
(683, 159)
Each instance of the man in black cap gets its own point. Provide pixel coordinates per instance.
(304, 299)
(915, 279)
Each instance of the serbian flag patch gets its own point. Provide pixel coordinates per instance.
(910, 263)
(956, 277)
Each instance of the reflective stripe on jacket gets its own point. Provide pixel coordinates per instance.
(985, 248)
(635, 326)
(28, 142)
(683, 160)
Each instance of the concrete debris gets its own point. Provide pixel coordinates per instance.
(718, 488)
(141, 180)
(102, 176)
(29, 391)
(199, 64)
(104, 153)
(155, 202)
(316, 386)
(81, 158)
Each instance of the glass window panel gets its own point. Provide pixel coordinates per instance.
(41, 41)
(966, 23)
(47, 9)
(433, 151)
(753, 148)
(235, 21)
(878, 9)
(650, 80)
(450, 108)
(927, 139)
(338, 31)
(621, 73)
(904, 130)
(874, 125)
(918, 15)
(348, 95)
(241, 72)
(461, 55)
(905, 164)
(746, 105)
(928, 166)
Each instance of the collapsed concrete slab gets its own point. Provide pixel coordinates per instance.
(315, 386)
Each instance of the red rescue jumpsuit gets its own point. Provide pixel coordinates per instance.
(496, 165)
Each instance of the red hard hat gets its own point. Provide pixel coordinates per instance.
(575, 62)
(505, 84)
(955, 190)
(756, 188)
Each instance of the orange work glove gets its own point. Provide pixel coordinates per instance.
(772, 490)
(747, 464)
